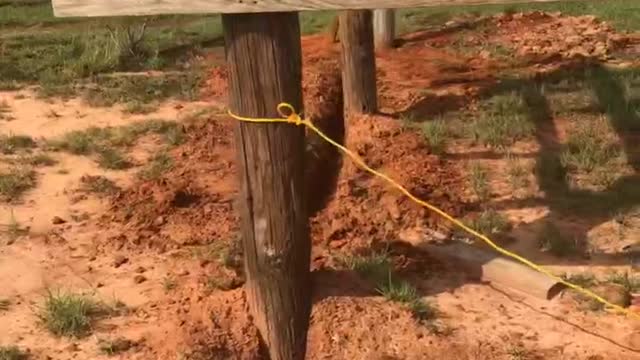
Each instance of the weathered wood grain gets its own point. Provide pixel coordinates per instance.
(265, 67)
(64, 8)
(384, 28)
(358, 61)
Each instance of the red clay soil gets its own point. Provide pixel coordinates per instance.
(193, 204)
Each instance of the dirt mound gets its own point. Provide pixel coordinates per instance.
(552, 36)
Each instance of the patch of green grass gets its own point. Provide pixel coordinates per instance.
(103, 140)
(403, 292)
(436, 133)
(112, 347)
(68, 314)
(15, 181)
(552, 239)
(110, 158)
(490, 222)
(375, 267)
(502, 121)
(479, 181)
(587, 149)
(4, 304)
(12, 353)
(9, 144)
(158, 165)
(110, 90)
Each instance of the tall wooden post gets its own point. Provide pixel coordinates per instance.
(265, 68)
(384, 28)
(358, 61)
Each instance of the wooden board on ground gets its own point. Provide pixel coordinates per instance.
(62, 8)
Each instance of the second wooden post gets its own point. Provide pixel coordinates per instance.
(264, 58)
(358, 61)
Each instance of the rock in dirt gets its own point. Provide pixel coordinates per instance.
(57, 220)
(139, 279)
(140, 269)
(159, 221)
(119, 260)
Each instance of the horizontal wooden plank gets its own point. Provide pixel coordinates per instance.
(71, 8)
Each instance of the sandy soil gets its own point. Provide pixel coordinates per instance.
(174, 229)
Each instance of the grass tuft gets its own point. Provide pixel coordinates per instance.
(518, 173)
(9, 144)
(479, 181)
(15, 181)
(435, 132)
(99, 185)
(490, 222)
(110, 158)
(40, 159)
(12, 353)
(67, 314)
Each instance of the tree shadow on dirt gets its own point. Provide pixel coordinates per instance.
(590, 208)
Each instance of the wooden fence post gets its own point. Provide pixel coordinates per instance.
(384, 28)
(263, 53)
(358, 61)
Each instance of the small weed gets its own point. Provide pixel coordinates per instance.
(67, 314)
(76, 142)
(169, 284)
(4, 107)
(9, 144)
(99, 185)
(16, 181)
(398, 291)
(110, 158)
(503, 122)
(41, 159)
(157, 166)
(479, 181)
(435, 132)
(490, 222)
(4, 304)
(115, 346)
(12, 353)
(375, 267)
(551, 239)
(63, 171)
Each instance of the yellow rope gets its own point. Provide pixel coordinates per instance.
(292, 117)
